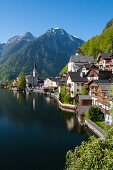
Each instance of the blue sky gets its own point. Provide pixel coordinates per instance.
(82, 18)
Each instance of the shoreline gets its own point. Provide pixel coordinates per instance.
(72, 108)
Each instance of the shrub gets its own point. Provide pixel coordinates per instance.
(94, 154)
(84, 91)
(68, 99)
(93, 114)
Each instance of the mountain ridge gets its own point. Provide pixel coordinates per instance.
(102, 43)
(52, 51)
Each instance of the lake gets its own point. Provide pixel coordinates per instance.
(34, 133)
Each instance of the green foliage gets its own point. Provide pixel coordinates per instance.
(64, 70)
(84, 91)
(68, 99)
(62, 93)
(109, 25)
(94, 154)
(22, 80)
(103, 125)
(102, 43)
(93, 113)
(56, 90)
(63, 89)
(49, 63)
(8, 83)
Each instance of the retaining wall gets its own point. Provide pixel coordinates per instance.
(95, 128)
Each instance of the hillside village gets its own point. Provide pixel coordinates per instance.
(85, 83)
(95, 77)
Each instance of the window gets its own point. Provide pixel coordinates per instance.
(77, 84)
(107, 66)
(92, 87)
(77, 90)
(107, 61)
(82, 84)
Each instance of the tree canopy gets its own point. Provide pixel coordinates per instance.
(95, 154)
(93, 113)
(84, 91)
(102, 43)
(22, 80)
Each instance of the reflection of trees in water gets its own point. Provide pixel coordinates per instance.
(31, 109)
(18, 108)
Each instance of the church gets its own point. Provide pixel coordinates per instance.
(32, 80)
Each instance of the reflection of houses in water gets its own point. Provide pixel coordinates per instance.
(70, 123)
(47, 99)
(16, 94)
(35, 102)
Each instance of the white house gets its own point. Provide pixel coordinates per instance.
(74, 83)
(51, 82)
(77, 60)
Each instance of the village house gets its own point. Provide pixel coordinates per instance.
(97, 74)
(77, 60)
(74, 82)
(51, 83)
(85, 100)
(15, 82)
(99, 91)
(32, 80)
(105, 61)
(29, 80)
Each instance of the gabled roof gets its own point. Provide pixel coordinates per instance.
(105, 55)
(82, 109)
(54, 79)
(75, 77)
(101, 81)
(105, 87)
(81, 59)
(27, 76)
(96, 70)
(85, 97)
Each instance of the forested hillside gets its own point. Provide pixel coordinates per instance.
(52, 51)
(101, 43)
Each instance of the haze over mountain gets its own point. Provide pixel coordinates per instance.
(52, 51)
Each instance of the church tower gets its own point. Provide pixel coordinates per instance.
(35, 74)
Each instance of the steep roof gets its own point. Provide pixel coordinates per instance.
(105, 55)
(82, 109)
(75, 77)
(85, 97)
(81, 59)
(105, 87)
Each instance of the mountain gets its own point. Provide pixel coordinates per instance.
(52, 51)
(102, 43)
(1, 48)
(109, 25)
(14, 44)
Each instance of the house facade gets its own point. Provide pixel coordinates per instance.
(51, 82)
(99, 92)
(77, 60)
(74, 83)
(105, 60)
(97, 74)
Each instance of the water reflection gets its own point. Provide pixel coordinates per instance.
(30, 108)
(34, 130)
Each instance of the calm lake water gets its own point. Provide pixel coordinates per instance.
(34, 133)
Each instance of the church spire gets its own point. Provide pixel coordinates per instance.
(35, 63)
